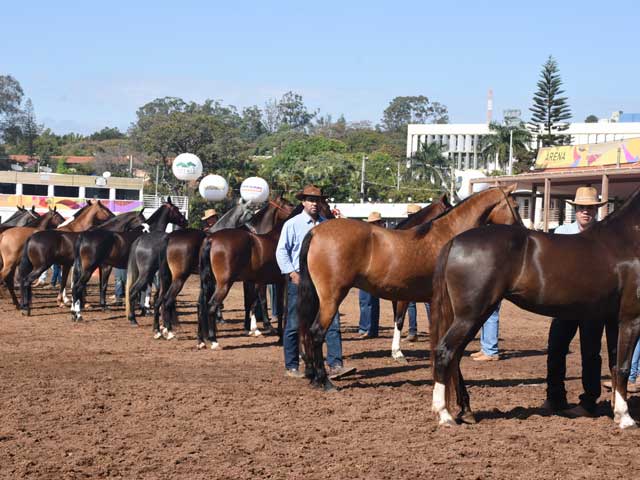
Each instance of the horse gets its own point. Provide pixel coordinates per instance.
(12, 242)
(180, 259)
(22, 217)
(104, 246)
(423, 216)
(594, 274)
(392, 264)
(237, 254)
(45, 248)
(148, 251)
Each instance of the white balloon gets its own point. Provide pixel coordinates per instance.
(213, 188)
(462, 178)
(254, 190)
(187, 166)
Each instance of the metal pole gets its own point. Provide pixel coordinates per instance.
(511, 151)
(398, 185)
(362, 171)
(157, 173)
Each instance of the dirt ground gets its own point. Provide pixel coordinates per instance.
(102, 399)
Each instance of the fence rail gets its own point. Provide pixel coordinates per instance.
(151, 201)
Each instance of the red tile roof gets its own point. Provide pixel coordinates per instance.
(68, 159)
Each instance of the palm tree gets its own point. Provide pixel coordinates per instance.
(430, 163)
(497, 144)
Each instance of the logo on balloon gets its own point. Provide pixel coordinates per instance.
(213, 188)
(187, 166)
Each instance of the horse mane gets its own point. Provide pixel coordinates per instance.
(618, 212)
(115, 220)
(426, 227)
(82, 209)
(416, 217)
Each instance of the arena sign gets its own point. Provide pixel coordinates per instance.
(619, 152)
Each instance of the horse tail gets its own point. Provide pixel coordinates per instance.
(308, 301)
(206, 280)
(441, 319)
(25, 262)
(132, 275)
(77, 268)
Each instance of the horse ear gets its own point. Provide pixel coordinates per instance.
(510, 188)
(33, 208)
(169, 200)
(55, 208)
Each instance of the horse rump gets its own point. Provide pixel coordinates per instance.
(308, 302)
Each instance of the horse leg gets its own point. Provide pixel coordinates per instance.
(27, 291)
(9, 282)
(105, 273)
(169, 311)
(78, 291)
(400, 310)
(262, 297)
(627, 339)
(134, 292)
(220, 293)
(281, 307)
(248, 290)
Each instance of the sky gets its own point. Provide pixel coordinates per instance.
(87, 65)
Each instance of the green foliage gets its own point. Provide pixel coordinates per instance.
(289, 112)
(107, 133)
(413, 109)
(498, 143)
(591, 119)
(550, 110)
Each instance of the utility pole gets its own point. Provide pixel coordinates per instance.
(398, 185)
(510, 151)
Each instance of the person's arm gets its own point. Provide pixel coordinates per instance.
(283, 250)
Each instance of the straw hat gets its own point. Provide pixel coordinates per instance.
(210, 212)
(310, 191)
(413, 208)
(587, 196)
(374, 217)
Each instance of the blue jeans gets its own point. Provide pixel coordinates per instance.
(413, 317)
(369, 314)
(56, 276)
(290, 341)
(489, 333)
(635, 363)
(121, 281)
(274, 302)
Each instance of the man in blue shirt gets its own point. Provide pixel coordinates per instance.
(288, 257)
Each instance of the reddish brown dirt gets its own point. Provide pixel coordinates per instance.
(102, 399)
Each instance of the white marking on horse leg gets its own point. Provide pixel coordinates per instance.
(76, 306)
(621, 413)
(395, 343)
(65, 299)
(171, 336)
(147, 301)
(253, 325)
(439, 405)
(215, 345)
(202, 345)
(157, 335)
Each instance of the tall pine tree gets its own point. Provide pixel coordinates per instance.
(550, 110)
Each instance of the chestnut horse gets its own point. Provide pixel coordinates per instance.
(235, 255)
(392, 264)
(423, 216)
(12, 242)
(43, 249)
(594, 274)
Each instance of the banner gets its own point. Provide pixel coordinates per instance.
(63, 203)
(590, 155)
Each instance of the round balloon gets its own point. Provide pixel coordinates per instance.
(462, 182)
(213, 188)
(254, 190)
(187, 166)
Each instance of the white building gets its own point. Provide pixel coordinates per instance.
(462, 140)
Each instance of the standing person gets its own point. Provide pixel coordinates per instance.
(288, 257)
(120, 276)
(209, 218)
(412, 336)
(563, 330)
(489, 339)
(369, 304)
(56, 277)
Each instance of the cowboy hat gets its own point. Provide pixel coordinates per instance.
(587, 196)
(374, 217)
(210, 212)
(413, 208)
(310, 191)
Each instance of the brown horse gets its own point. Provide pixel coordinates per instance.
(235, 255)
(421, 217)
(592, 275)
(392, 264)
(12, 242)
(43, 249)
(22, 217)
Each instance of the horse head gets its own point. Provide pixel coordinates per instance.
(505, 210)
(174, 214)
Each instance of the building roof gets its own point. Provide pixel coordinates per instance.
(69, 159)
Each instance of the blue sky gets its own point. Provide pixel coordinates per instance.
(92, 64)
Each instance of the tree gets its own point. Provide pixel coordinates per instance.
(251, 126)
(30, 130)
(550, 109)
(591, 119)
(107, 133)
(497, 145)
(417, 109)
(288, 112)
(430, 164)
(10, 99)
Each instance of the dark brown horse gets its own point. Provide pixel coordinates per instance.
(22, 217)
(235, 255)
(421, 217)
(392, 264)
(12, 242)
(104, 246)
(594, 275)
(43, 249)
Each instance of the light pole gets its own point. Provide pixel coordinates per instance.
(362, 171)
(510, 151)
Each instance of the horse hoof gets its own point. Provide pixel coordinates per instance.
(215, 346)
(626, 422)
(468, 417)
(445, 419)
(157, 336)
(255, 333)
(400, 358)
(329, 387)
(170, 336)
(133, 323)
(202, 345)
